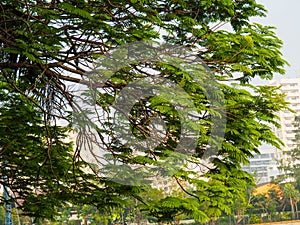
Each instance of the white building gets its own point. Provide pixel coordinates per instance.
(265, 165)
(291, 87)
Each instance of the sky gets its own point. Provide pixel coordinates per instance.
(285, 16)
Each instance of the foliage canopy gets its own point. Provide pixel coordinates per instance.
(48, 45)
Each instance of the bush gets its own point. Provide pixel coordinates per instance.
(253, 218)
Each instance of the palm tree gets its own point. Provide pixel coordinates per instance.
(296, 200)
(291, 193)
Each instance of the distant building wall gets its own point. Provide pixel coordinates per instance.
(265, 166)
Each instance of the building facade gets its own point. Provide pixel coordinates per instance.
(265, 165)
(290, 87)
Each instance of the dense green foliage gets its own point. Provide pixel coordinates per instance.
(48, 45)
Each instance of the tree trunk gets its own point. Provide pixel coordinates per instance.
(177, 221)
(85, 220)
(18, 216)
(296, 207)
(292, 208)
(239, 217)
(212, 222)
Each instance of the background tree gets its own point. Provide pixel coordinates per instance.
(292, 195)
(47, 45)
(275, 198)
(266, 203)
(243, 204)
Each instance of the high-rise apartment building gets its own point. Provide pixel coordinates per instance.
(265, 165)
(291, 87)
